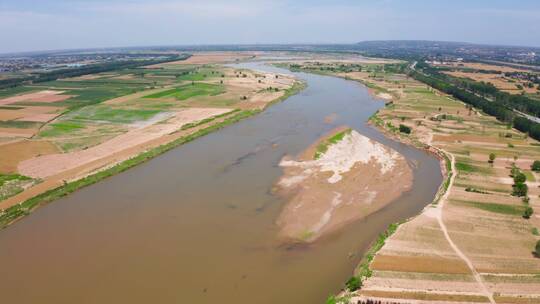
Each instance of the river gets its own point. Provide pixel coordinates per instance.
(197, 224)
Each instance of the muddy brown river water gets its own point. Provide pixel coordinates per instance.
(197, 224)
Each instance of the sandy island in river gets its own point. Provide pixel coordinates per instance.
(341, 178)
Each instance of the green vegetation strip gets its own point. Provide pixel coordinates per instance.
(296, 87)
(4, 178)
(206, 120)
(468, 168)
(323, 146)
(19, 124)
(10, 108)
(10, 214)
(363, 271)
(446, 182)
(494, 207)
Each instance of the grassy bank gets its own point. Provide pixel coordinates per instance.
(324, 145)
(363, 271)
(296, 88)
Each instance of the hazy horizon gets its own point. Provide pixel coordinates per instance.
(79, 24)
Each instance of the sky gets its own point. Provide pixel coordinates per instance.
(32, 25)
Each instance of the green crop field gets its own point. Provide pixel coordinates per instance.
(114, 115)
(190, 90)
(494, 207)
(61, 128)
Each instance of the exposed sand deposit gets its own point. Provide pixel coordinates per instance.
(354, 177)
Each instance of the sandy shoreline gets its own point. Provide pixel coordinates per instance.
(352, 179)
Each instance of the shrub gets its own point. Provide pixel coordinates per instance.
(471, 189)
(492, 157)
(528, 212)
(536, 166)
(404, 129)
(353, 283)
(331, 300)
(338, 300)
(537, 248)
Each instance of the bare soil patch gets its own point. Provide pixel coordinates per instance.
(17, 132)
(39, 117)
(41, 96)
(11, 154)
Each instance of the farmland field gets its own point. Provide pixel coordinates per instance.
(190, 90)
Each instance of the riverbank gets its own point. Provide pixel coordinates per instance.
(59, 174)
(474, 244)
(341, 178)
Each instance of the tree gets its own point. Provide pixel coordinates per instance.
(404, 129)
(528, 212)
(514, 171)
(537, 249)
(519, 178)
(520, 190)
(536, 166)
(492, 157)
